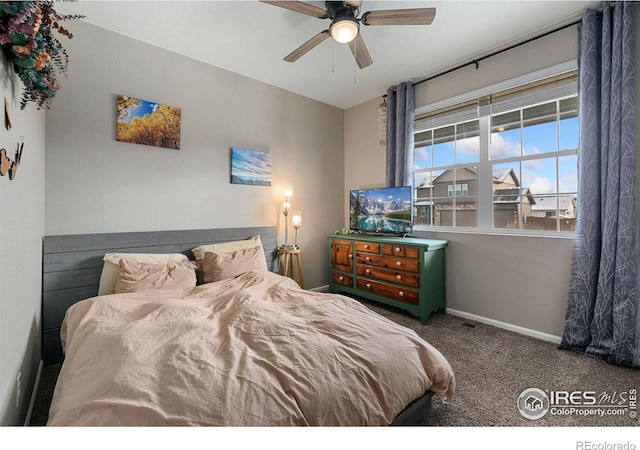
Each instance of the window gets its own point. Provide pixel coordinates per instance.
(504, 161)
(460, 190)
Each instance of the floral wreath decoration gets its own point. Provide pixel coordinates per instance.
(32, 50)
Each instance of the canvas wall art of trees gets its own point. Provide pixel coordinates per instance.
(148, 123)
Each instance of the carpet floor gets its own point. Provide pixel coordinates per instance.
(492, 368)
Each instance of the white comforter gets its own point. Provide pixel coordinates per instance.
(255, 350)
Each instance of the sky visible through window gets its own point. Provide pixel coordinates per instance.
(539, 175)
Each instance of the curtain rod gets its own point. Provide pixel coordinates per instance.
(477, 60)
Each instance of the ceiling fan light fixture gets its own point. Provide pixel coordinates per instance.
(344, 29)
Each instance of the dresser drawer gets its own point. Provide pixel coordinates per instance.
(395, 276)
(343, 279)
(368, 247)
(390, 262)
(394, 292)
(399, 250)
(342, 255)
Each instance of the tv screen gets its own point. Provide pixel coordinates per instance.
(381, 210)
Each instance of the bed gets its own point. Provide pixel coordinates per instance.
(216, 338)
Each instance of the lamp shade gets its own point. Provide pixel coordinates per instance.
(344, 29)
(296, 219)
(288, 191)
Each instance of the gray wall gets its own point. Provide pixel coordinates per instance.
(21, 230)
(96, 184)
(513, 281)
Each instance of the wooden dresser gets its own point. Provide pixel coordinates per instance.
(404, 272)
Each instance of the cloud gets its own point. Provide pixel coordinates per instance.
(569, 181)
(537, 184)
(422, 154)
(531, 150)
(469, 147)
(503, 148)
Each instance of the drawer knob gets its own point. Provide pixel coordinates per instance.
(397, 249)
(350, 256)
(399, 277)
(401, 294)
(368, 285)
(366, 246)
(367, 271)
(341, 278)
(399, 263)
(368, 259)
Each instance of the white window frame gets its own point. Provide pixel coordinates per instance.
(484, 219)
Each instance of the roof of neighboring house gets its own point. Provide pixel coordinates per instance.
(550, 203)
(459, 176)
(512, 195)
(427, 182)
(501, 175)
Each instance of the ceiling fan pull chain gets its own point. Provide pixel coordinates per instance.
(355, 71)
(333, 57)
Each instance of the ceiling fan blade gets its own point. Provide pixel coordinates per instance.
(414, 16)
(300, 7)
(360, 52)
(304, 48)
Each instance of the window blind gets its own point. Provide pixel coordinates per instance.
(539, 91)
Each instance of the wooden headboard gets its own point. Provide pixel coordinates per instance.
(72, 264)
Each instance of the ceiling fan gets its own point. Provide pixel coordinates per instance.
(345, 24)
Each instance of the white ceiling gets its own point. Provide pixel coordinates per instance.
(251, 38)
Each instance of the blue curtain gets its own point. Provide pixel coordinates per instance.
(602, 313)
(400, 115)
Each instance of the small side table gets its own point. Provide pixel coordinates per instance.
(286, 258)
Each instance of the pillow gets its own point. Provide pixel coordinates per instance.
(225, 247)
(134, 276)
(218, 267)
(111, 266)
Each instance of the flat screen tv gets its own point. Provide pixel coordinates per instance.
(381, 210)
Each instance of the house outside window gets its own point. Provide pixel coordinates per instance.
(503, 162)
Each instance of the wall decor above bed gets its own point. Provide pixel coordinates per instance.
(148, 123)
(8, 166)
(31, 48)
(250, 167)
(7, 116)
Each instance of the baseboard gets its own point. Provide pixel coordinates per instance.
(324, 288)
(506, 326)
(34, 393)
(496, 323)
